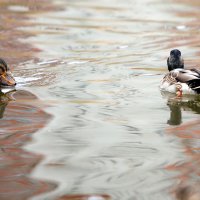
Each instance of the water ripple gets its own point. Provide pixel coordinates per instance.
(101, 63)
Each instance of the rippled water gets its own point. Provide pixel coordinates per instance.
(99, 71)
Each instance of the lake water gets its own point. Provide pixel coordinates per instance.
(109, 132)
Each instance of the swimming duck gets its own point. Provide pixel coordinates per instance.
(179, 80)
(6, 77)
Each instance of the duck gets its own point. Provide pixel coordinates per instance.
(179, 80)
(6, 77)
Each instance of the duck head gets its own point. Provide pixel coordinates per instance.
(175, 60)
(6, 77)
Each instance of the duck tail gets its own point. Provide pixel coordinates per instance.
(194, 84)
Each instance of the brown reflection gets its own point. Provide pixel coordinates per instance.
(19, 119)
(14, 14)
(85, 197)
(188, 187)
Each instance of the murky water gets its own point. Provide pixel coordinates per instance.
(113, 135)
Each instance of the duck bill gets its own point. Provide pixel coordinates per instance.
(7, 79)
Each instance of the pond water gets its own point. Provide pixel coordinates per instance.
(111, 133)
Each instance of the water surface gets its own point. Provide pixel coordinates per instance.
(113, 134)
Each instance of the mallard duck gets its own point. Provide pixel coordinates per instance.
(179, 80)
(6, 77)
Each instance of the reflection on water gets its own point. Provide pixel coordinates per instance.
(175, 114)
(176, 105)
(99, 68)
(85, 197)
(108, 136)
(19, 119)
(3, 103)
(188, 178)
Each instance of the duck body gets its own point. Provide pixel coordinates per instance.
(179, 80)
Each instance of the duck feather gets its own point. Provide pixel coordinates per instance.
(179, 80)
